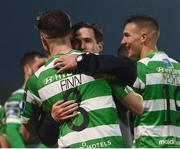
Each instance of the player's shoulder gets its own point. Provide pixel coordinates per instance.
(18, 91)
(16, 94)
(48, 65)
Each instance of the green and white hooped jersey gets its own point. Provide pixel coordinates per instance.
(13, 106)
(96, 125)
(2, 119)
(159, 83)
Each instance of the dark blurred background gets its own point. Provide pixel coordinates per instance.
(18, 35)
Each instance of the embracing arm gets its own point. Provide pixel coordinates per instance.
(132, 100)
(49, 129)
(123, 69)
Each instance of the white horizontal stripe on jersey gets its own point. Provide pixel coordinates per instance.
(161, 131)
(44, 68)
(13, 120)
(19, 91)
(31, 98)
(89, 134)
(158, 78)
(54, 88)
(98, 103)
(159, 104)
(50, 65)
(139, 84)
(172, 60)
(11, 104)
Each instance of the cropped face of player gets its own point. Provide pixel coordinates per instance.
(131, 40)
(38, 62)
(88, 41)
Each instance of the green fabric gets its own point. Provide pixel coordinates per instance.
(2, 129)
(2, 112)
(46, 87)
(2, 123)
(13, 135)
(159, 83)
(12, 106)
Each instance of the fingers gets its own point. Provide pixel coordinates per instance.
(59, 60)
(59, 102)
(58, 65)
(70, 115)
(64, 103)
(70, 109)
(67, 62)
(69, 102)
(63, 107)
(61, 70)
(63, 110)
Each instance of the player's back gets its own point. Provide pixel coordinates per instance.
(159, 83)
(96, 125)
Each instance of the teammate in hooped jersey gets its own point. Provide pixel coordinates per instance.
(16, 134)
(158, 82)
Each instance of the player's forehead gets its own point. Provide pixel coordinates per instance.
(85, 32)
(130, 28)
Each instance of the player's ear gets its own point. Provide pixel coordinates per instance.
(27, 70)
(143, 37)
(44, 41)
(100, 46)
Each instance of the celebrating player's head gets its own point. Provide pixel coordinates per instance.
(140, 32)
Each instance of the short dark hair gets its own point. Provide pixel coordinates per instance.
(142, 19)
(54, 23)
(28, 58)
(97, 30)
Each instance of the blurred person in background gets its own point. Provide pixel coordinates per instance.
(16, 134)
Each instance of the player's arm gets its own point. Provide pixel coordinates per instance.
(30, 110)
(13, 121)
(121, 68)
(61, 111)
(3, 139)
(132, 100)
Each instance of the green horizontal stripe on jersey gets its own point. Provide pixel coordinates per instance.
(16, 97)
(99, 117)
(153, 68)
(107, 142)
(156, 118)
(157, 142)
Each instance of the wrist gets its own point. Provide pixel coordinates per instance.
(79, 58)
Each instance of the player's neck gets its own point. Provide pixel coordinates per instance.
(60, 49)
(148, 50)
